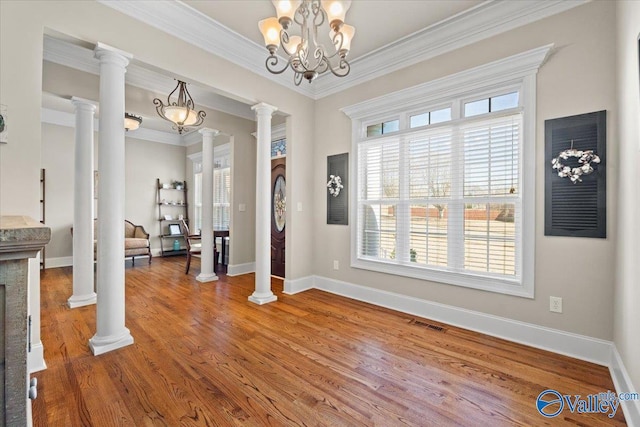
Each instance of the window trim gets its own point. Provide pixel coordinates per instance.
(519, 70)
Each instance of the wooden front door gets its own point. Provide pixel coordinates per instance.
(278, 215)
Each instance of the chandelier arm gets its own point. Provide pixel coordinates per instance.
(201, 116)
(189, 99)
(272, 61)
(342, 65)
(318, 13)
(301, 14)
(338, 47)
(172, 92)
(284, 41)
(297, 78)
(160, 108)
(323, 66)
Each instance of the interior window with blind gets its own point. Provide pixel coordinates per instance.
(443, 198)
(221, 194)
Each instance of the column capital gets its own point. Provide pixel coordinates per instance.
(264, 108)
(209, 131)
(106, 53)
(83, 104)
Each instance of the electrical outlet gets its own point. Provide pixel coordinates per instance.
(555, 304)
(336, 264)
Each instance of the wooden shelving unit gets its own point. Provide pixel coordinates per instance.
(172, 202)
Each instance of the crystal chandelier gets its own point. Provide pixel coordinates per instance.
(182, 112)
(307, 56)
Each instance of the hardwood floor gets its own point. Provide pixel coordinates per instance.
(205, 356)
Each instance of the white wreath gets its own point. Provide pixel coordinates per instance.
(335, 185)
(585, 158)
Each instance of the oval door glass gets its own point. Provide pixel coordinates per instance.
(279, 202)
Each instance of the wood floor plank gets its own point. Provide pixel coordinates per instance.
(205, 356)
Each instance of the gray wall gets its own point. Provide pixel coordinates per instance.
(577, 78)
(145, 161)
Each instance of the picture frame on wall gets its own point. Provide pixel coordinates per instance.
(4, 127)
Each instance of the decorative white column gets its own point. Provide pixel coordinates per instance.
(206, 257)
(83, 289)
(111, 332)
(263, 294)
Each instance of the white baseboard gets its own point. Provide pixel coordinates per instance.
(622, 383)
(573, 345)
(297, 285)
(63, 261)
(35, 358)
(238, 269)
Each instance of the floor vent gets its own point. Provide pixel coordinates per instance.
(427, 325)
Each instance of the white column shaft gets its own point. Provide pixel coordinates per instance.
(110, 314)
(83, 287)
(206, 262)
(263, 293)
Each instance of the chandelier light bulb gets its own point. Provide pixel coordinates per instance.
(286, 9)
(270, 29)
(347, 35)
(336, 11)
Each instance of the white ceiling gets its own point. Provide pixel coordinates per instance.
(378, 23)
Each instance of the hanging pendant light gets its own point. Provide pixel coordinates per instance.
(131, 121)
(181, 112)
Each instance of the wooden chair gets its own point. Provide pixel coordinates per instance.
(194, 246)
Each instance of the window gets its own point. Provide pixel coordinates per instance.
(221, 191)
(221, 197)
(383, 128)
(448, 196)
(430, 118)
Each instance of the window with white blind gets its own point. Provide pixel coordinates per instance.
(448, 196)
(221, 193)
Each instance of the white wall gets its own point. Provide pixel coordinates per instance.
(576, 79)
(627, 301)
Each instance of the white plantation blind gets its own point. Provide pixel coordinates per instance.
(221, 197)
(446, 198)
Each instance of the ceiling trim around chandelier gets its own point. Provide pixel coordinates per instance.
(182, 112)
(478, 23)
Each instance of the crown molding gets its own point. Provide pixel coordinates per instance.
(279, 132)
(478, 23)
(61, 118)
(497, 72)
(190, 25)
(82, 59)
(481, 22)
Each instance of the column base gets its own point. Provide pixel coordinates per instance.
(101, 345)
(81, 300)
(262, 299)
(206, 277)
